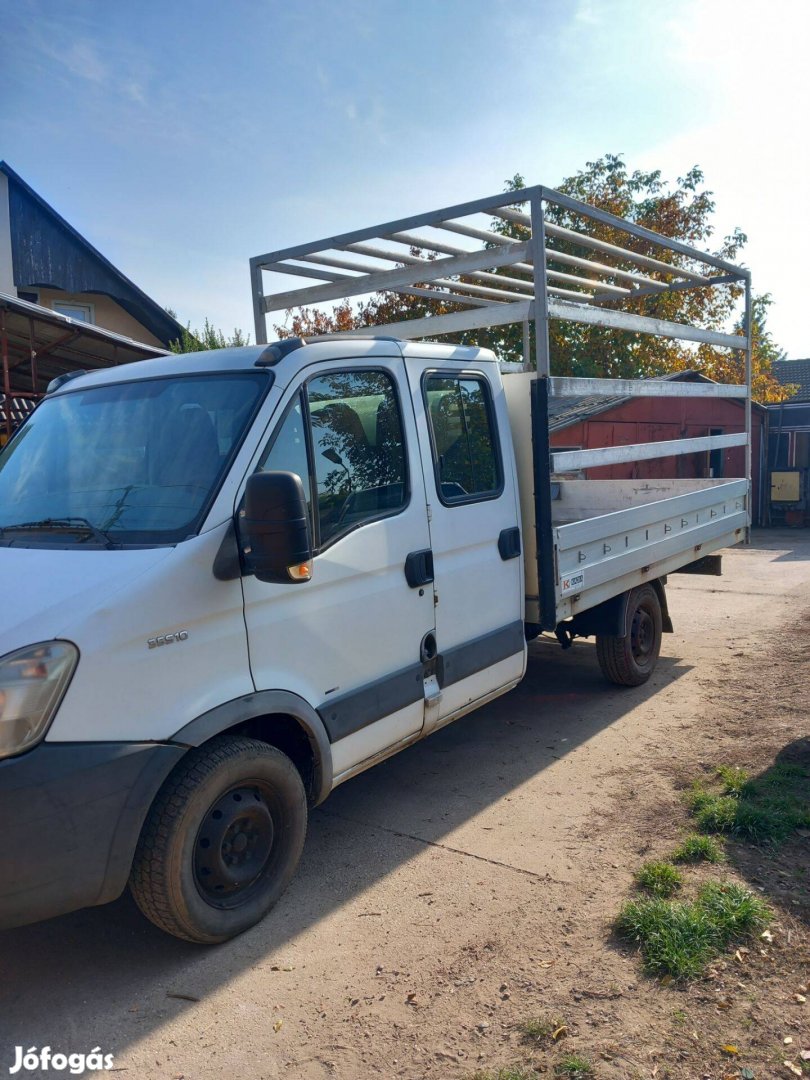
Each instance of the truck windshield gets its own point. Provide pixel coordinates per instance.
(126, 464)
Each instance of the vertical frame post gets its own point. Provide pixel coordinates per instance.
(6, 372)
(527, 347)
(538, 250)
(32, 341)
(749, 326)
(259, 322)
(542, 505)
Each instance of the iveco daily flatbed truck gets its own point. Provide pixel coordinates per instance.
(234, 579)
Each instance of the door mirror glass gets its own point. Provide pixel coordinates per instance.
(274, 528)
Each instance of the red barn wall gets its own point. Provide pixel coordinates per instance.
(654, 419)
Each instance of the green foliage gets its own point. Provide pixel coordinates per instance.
(696, 848)
(207, 338)
(733, 778)
(574, 1067)
(765, 809)
(712, 812)
(679, 939)
(659, 878)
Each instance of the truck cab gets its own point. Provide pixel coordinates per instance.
(234, 580)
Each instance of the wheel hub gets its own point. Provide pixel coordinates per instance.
(642, 634)
(233, 845)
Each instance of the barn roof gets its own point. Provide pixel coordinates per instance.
(795, 372)
(47, 252)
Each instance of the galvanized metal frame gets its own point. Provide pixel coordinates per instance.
(464, 278)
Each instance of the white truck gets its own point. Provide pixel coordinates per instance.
(234, 579)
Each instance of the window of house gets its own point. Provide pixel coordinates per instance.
(358, 449)
(80, 312)
(465, 454)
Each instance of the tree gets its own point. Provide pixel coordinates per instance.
(681, 211)
(207, 338)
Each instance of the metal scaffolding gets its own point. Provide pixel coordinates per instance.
(412, 257)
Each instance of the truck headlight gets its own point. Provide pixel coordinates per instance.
(32, 683)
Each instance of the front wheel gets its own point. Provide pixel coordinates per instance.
(629, 659)
(221, 841)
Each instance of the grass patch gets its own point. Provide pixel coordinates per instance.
(698, 848)
(659, 878)
(679, 939)
(574, 1067)
(733, 778)
(543, 1029)
(765, 809)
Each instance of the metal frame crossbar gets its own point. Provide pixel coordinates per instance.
(412, 257)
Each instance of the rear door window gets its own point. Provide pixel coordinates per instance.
(463, 437)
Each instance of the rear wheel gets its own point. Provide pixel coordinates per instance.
(221, 841)
(629, 659)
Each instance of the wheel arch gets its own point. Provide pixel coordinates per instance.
(613, 616)
(279, 718)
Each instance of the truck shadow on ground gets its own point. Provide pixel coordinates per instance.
(107, 975)
(781, 872)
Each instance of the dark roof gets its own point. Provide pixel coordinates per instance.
(796, 372)
(60, 344)
(567, 411)
(47, 252)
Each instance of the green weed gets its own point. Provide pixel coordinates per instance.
(659, 878)
(696, 848)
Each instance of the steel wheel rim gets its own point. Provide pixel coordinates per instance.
(642, 636)
(234, 846)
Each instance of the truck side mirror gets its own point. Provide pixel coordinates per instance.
(274, 528)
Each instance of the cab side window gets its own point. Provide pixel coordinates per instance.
(465, 455)
(358, 449)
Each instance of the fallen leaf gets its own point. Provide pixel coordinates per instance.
(747, 1074)
(277, 1024)
(805, 1055)
(766, 935)
(728, 1049)
(800, 998)
(561, 1030)
(795, 1069)
(787, 1040)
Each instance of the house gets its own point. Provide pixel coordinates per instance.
(63, 305)
(789, 446)
(586, 423)
(45, 261)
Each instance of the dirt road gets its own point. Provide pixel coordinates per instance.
(453, 891)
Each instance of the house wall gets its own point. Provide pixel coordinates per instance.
(655, 419)
(6, 266)
(107, 313)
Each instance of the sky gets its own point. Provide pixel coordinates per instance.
(182, 138)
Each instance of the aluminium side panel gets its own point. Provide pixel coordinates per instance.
(602, 556)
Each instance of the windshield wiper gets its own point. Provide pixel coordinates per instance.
(65, 524)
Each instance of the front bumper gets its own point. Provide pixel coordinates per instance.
(70, 817)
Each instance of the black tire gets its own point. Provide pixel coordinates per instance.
(222, 840)
(629, 660)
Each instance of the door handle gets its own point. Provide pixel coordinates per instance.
(419, 568)
(509, 543)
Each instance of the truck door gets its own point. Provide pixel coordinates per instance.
(474, 530)
(349, 641)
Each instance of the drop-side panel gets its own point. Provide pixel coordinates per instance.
(602, 556)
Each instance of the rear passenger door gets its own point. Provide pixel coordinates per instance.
(474, 529)
(349, 641)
